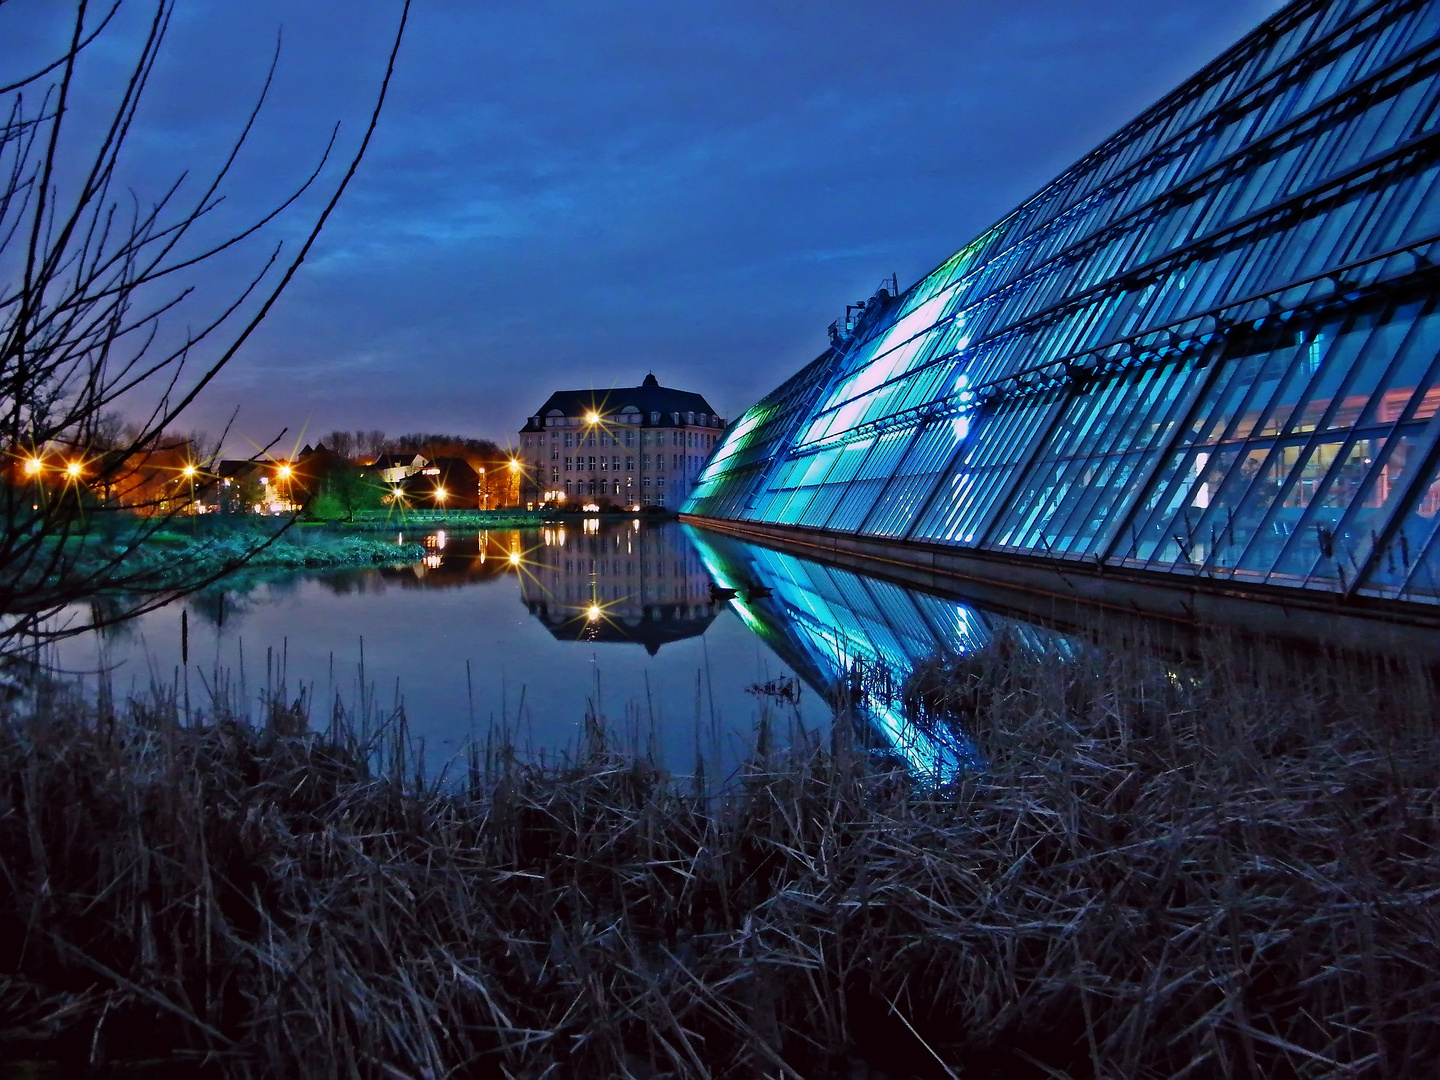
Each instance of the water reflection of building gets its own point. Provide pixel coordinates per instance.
(841, 630)
(457, 557)
(621, 582)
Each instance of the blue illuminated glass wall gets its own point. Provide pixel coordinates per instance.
(1208, 348)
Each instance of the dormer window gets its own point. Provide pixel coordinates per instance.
(654, 418)
(689, 418)
(702, 419)
(675, 418)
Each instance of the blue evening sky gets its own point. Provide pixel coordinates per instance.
(575, 193)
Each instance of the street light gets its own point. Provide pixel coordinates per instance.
(32, 466)
(592, 418)
(73, 469)
(189, 473)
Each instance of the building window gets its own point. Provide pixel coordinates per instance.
(603, 461)
(615, 463)
(690, 418)
(654, 418)
(660, 501)
(629, 463)
(645, 499)
(567, 464)
(659, 481)
(567, 440)
(554, 476)
(567, 488)
(592, 464)
(675, 418)
(629, 438)
(645, 482)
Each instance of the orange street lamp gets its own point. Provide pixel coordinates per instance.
(283, 472)
(514, 465)
(592, 417)
(514, 558)
(189, 471)
(73, 469)
(32, 466)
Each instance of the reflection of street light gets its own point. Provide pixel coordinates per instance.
(594, 612)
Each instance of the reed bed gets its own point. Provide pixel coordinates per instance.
(1225, 866)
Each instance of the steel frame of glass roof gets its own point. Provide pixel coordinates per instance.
(1210, 348)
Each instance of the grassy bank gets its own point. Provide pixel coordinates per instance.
(1226, 867)
(294, 549)
(410, 518)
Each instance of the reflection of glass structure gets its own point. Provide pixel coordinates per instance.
(861, 636)
(617, 581)
(1207, 349)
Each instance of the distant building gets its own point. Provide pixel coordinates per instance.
(445, 483)
(392, 468)
(630, 447)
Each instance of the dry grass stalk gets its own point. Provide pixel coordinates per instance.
(1224, 867)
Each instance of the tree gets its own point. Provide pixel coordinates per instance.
(88, 276)
(344, 490)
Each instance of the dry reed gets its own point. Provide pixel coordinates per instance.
(1220, 867)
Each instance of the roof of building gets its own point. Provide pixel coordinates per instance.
(647, 398)
(447, 469)
(232, 467)
(397, 461)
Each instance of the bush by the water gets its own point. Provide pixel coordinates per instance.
(1228, 866)
(291, 550)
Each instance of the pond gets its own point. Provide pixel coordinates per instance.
(677, 636)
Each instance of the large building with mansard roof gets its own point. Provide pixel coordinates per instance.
(625, 447)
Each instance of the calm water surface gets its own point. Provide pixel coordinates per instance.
(666, 631)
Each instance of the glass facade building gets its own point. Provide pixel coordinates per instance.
(1210, 348)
